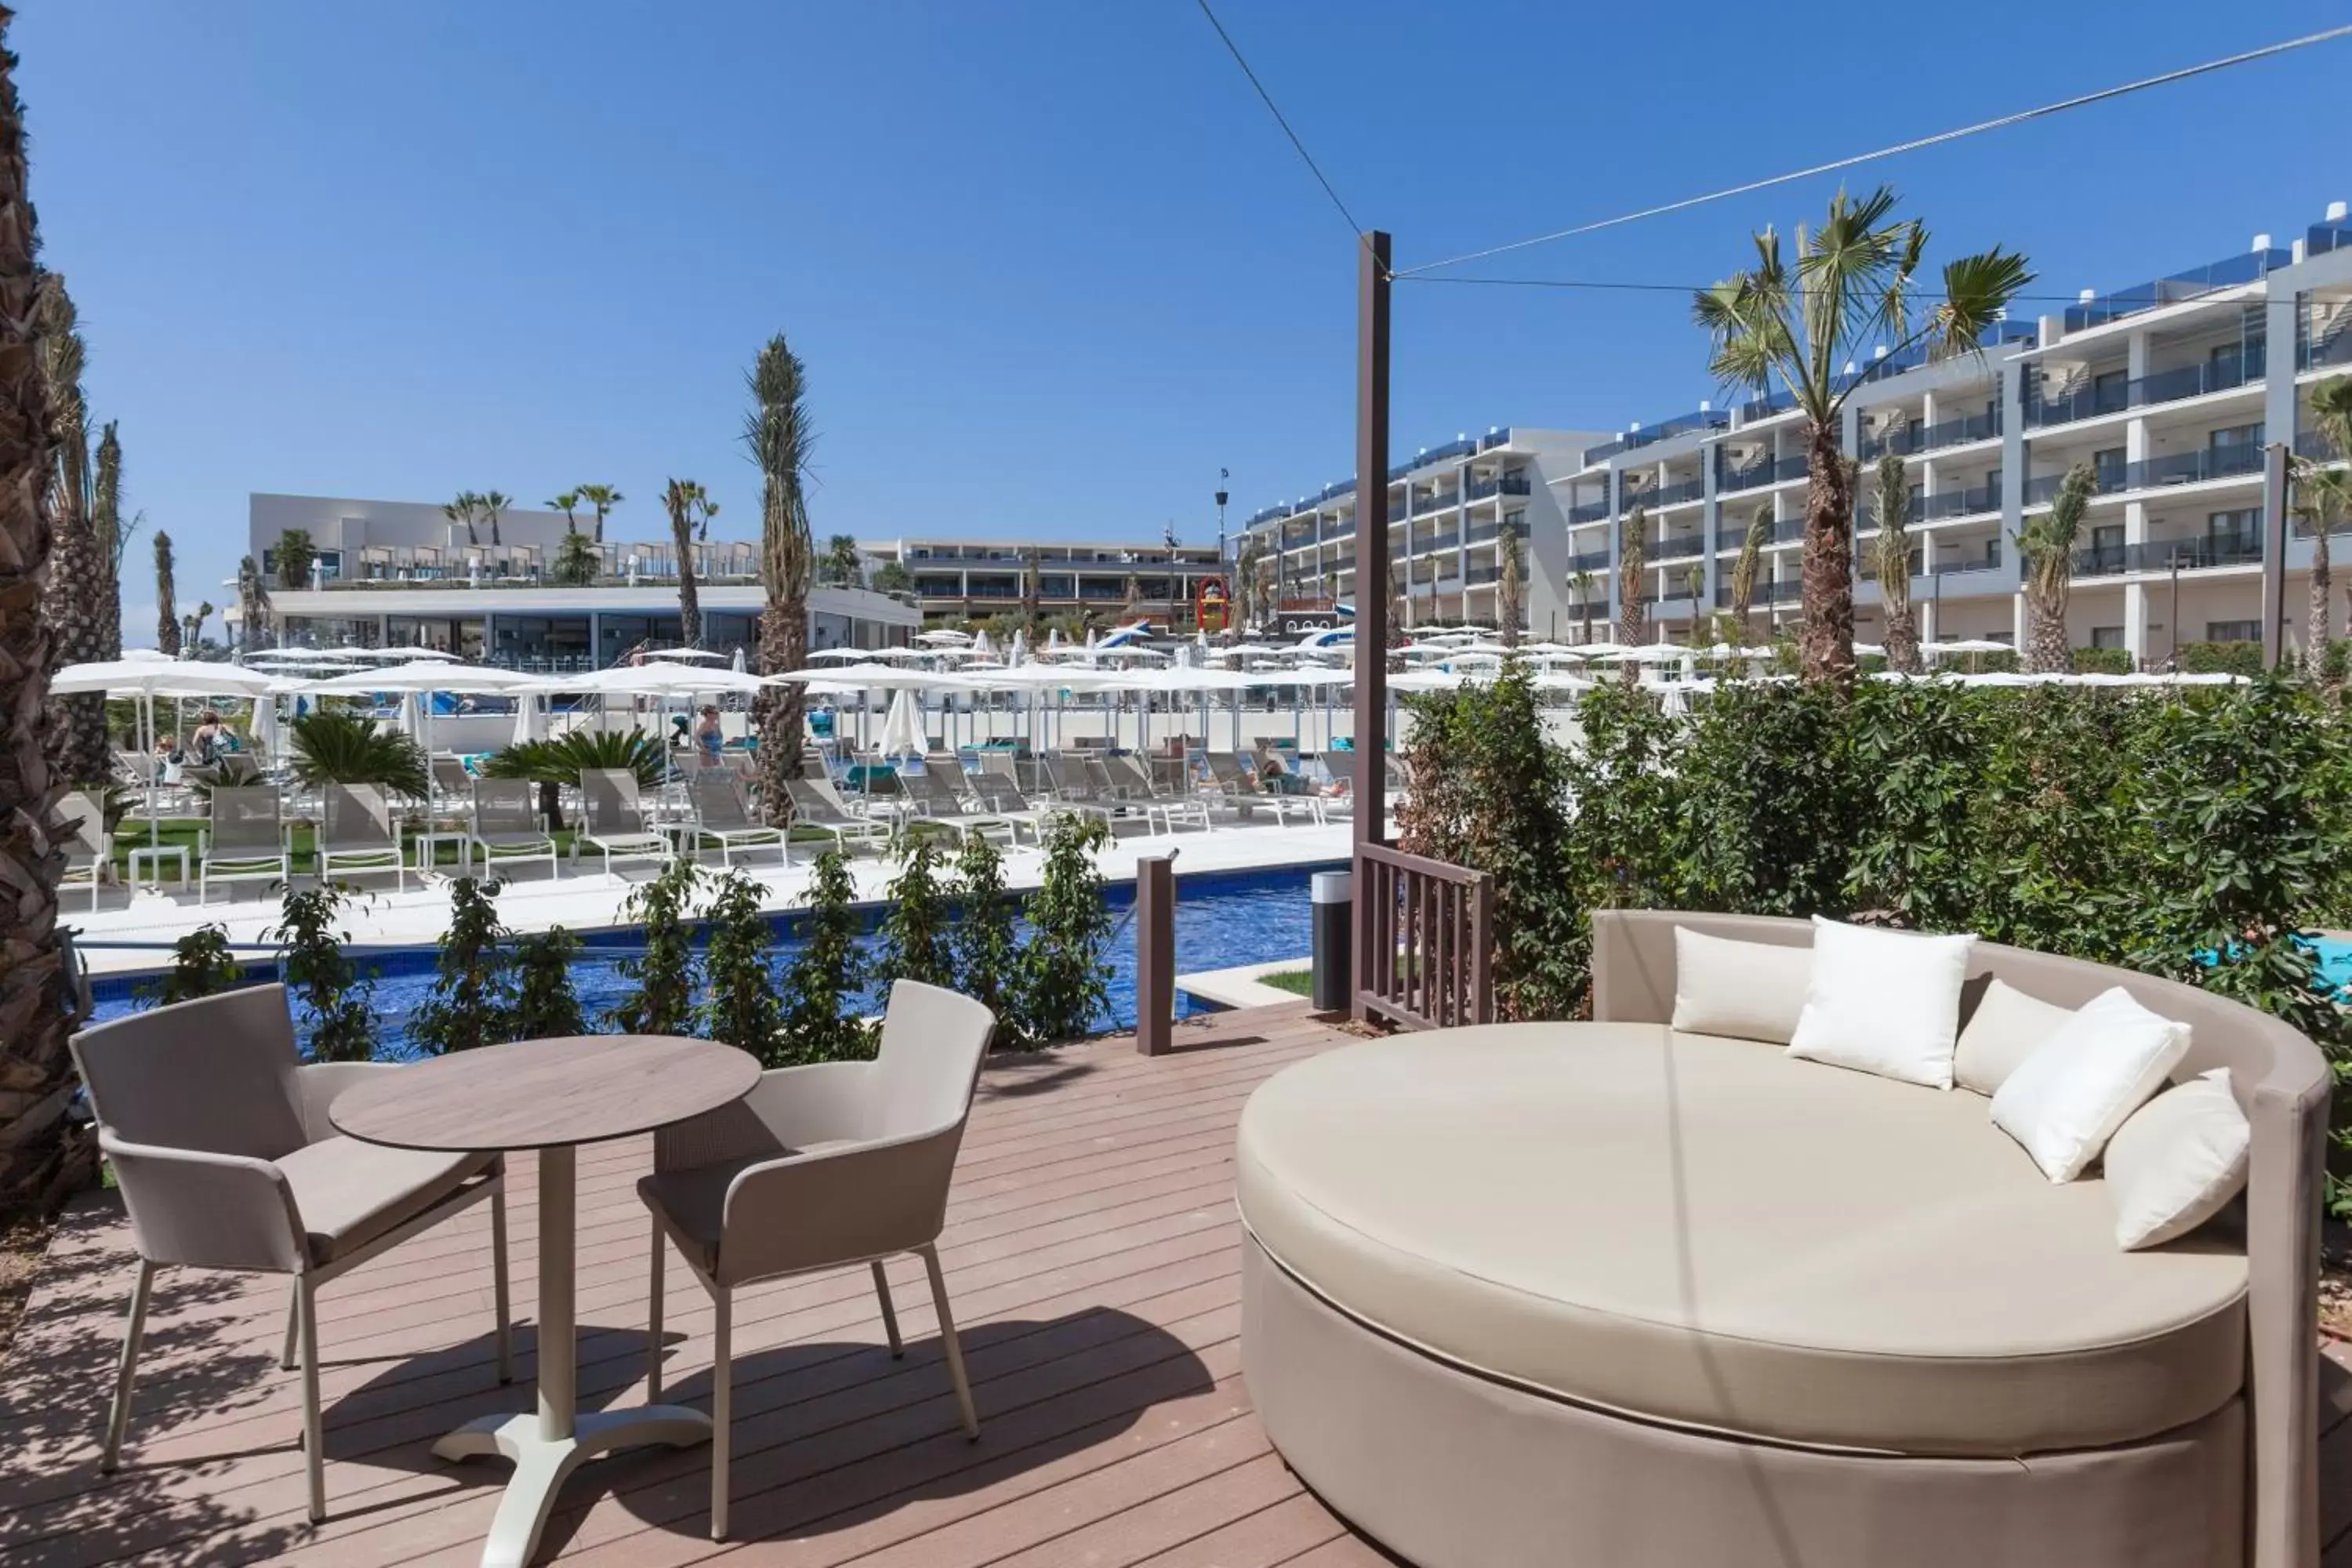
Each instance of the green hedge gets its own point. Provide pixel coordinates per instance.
(2221, 658)
(2187, 833)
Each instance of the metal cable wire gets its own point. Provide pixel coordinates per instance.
(1280, 119)
(1979, 129)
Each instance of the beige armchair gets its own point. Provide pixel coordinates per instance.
(821, 1167)
(220, 1144)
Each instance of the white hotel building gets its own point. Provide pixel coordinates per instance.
(2170, 389)
(399, 573)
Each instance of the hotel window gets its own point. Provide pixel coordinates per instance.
(2106, 636)
(2233, 631)
(2235, 435)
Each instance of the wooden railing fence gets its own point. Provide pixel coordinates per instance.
(1424, 941)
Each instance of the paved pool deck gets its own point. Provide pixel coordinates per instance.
(132, 936)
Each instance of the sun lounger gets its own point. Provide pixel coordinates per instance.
(88, 847)
(815, 805)
(506, 826)
(1241, 794)
(720, 812)
(932, 796)
(356, 832)
(613, 821)
(244, 840)
(1123, 778)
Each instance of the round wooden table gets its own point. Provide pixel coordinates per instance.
(550, 1096)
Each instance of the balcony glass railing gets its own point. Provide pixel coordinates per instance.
(2315, 444)
(1480, 575)
(2333, 346)
(2161, 555)
(1788, 590)
(2163, 387)
(1686, 547)
(2322, 237)
(1915, 438)
(2182, 469)
(1437, 501)
(1588, 511)
(1731, 536)
(1763, 471)
(2227, 273)
(1766, 406)
(1665, 429)
(1481, 532)
(1681, 492)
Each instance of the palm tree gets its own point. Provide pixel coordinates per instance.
(466, 509)
(1510, 592)
(602, 499)
(1850, 290)
(567, 503)
(1580, 584)
(679, 500)
(296, 555)
(2046, 545)
(109, 535)
(494, 505)
(1891, 562)
(252, 606)
(193, 628)
(843, 564)
(2327, 493)
(1246, 557)
(1033, 589)
(167, 610)
(1743, 569)
(779, 435)
(72, 602)
(41, 1157)
(577, 561)
(1632, 581)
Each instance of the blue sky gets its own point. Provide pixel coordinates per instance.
(1049, 262)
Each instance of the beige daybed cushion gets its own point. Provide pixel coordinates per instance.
(1705, 1231)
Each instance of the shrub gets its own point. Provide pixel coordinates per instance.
(202, 965)
(546, 1005)
(2103, 661)
(1768, 799)
(739, 1004)
(1063, 980)
(1918, 751)
(557, 763)
(334, 747)
(822, 990)
(1497, 803)
(473, 997)
(663, 1002)
(336, 1002)
(2221, 658)
(914, 931)
(986, 947)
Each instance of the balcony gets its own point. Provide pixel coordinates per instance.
(1685, 547)
(1680, 493)
(1732, 537)
(1437, 501)
(2182, 469)
(1590, 560)
(1911, 440)
(1665, 429)
(2315, 444)
(2163, 387)
(1761, 472)
(1451, 449)
(2229, 272)
(2161, 555)
(1481, 575)
(1590, 512)
(1396, 511)
(1480, 533)
(1788, 590)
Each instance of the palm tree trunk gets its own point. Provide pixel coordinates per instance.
(1826, 642)
(2315, 654)
(41, 1158)
(2048, 649)
(690, 599)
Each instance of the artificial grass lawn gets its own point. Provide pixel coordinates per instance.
(131, 833)
(1297, 981)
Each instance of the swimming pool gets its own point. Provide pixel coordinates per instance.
(1222, 918)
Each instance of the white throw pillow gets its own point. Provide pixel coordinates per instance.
(1884, 1001)
(2178, 1160)
(2065, 1101)
(1752, 990)
(2007, 1027)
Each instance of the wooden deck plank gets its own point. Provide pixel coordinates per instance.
(1093, 1255)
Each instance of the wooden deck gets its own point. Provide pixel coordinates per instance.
(1093, 1253)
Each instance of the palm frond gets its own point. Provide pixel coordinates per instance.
(331, 746)
(561, 760)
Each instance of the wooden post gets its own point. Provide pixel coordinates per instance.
(1155, 955)
(1371, 568)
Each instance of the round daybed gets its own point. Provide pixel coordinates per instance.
(1605, 1294)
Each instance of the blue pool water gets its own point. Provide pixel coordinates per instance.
(2334, 962)
(1222, 918)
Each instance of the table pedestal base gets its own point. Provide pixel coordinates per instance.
(541, 1463)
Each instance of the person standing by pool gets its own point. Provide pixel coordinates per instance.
(707, 738)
